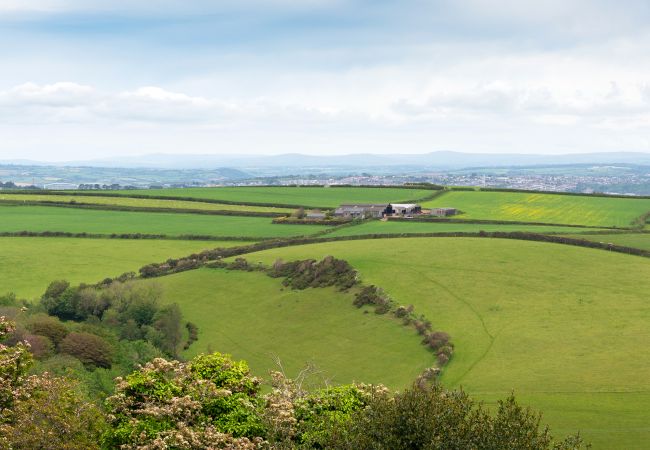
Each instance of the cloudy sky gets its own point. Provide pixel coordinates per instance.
(83, 79)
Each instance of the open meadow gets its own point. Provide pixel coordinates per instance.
(562, 326)
(138, 202)
(76, 220)
(29, 264)
(326, 197)
(544, 207)
(318, 326)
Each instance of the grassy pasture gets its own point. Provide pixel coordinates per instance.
(546, 208)
(379, 227)
(139, 202)
(75, 220)
(565, 327)
(27, 265)
(636, 240)
(307, 196)
(255, 318)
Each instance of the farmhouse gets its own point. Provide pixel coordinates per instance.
(377, 210)
(443, 212)
(364, 211)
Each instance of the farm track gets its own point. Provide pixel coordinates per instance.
(469, 306)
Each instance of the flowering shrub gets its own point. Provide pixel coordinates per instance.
(210, 402)
(41, 411)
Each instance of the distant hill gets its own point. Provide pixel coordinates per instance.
(433, 160)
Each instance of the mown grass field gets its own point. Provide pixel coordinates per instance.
(76, 220)
(139, 202)
(566, 328)
(28, 265)
(253, 317)
(388, 227)
(307, 196)
(636, 240)
(545, 208)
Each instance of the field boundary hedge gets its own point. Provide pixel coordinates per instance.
(180, 237)
(95, 206)
(578, 194)
(498, 222)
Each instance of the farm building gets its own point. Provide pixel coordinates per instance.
(377, 210)
(315, 215)
(406, 209)
(363, 211)
(443, 212)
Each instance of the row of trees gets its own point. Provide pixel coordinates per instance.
(214, 402)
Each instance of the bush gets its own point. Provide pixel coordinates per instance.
(88, 348)
(431, 417)
(40, 346)
(209, 400)
(50, 327)
(372, 295)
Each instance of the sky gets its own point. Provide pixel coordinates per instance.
(89, 79)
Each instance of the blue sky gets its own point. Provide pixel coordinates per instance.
(83, 79)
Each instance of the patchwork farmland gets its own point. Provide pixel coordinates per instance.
(526, 313)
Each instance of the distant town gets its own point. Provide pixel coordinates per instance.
(624, 179)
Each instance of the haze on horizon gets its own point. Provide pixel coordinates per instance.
(85, 79)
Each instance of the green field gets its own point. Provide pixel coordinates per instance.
(76, 220)
(139, 202)
(544, 208)
(379, 227)
(27, 265)
(307, 196)
(253, 317)
(566, 328)
(636, 240)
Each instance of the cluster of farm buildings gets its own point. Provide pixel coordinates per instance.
(367, 211)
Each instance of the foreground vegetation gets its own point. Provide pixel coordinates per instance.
(544, 207)
(74, 220)
(527, 316)
(214, 402)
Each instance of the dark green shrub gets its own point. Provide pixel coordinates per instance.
(49, 327)
(88, 348)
